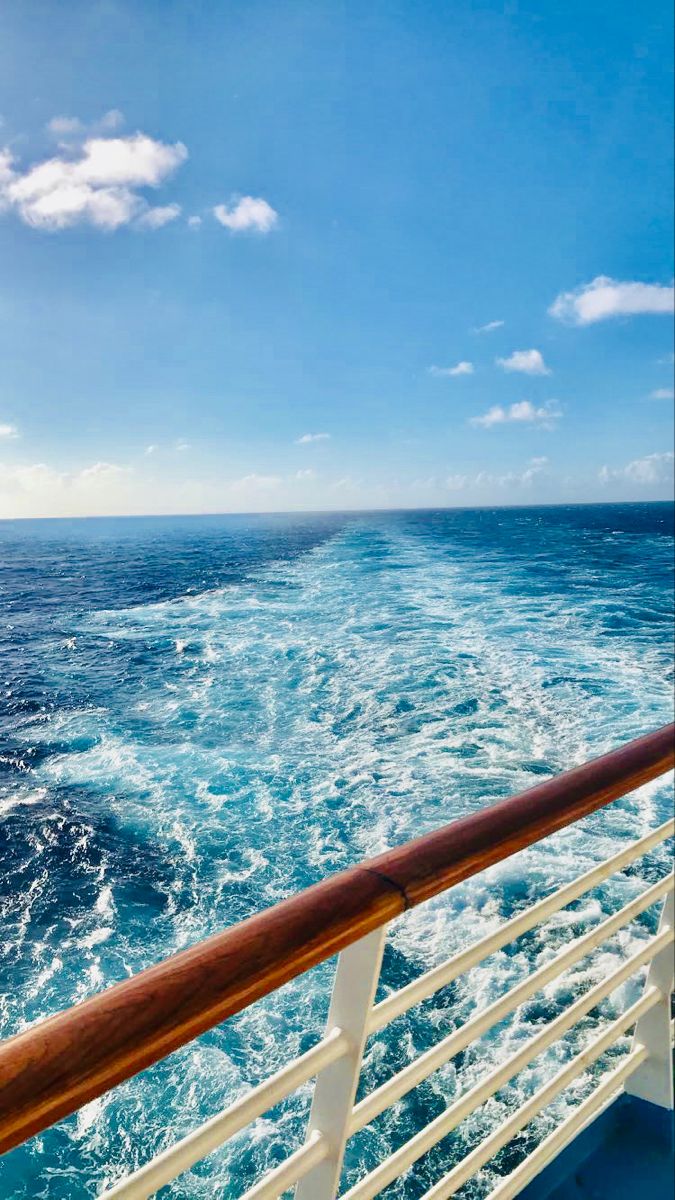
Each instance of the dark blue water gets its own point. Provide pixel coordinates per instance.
(199, 716)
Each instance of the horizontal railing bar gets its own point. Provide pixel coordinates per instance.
(295, 1167)
(528, 1111)
(420, 989)
(203, 1141)
(444, 1124)
(57, 1065)
(380, 1099)
(428, 866)
(485, 1088)
(563, 1134)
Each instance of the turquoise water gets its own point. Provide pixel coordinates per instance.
(200, 716)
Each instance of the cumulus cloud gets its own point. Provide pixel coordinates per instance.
(72, 127)
(247, 213)
(64, 126)
(7, 175)
(662, 394)
(462, 368)
(487, 479)
(491, 325)
(176, 447)
(530, 362)
(522, 411)
(101, 471)
(194, 222)
(98, 185)
(312, 437)
(652, 469)
(40, 477)
(604, 298)
(28, 477)
(524, 478)
(113, 119)
(154, 218)
(256, 483)
(8, 431)
(456, 483)
(37, 490)
(536, 467)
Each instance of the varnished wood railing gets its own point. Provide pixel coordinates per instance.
(55, 1066)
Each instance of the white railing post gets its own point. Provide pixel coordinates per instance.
(653, 1080)
(356, 978)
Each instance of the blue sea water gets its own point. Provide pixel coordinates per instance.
(200, 716)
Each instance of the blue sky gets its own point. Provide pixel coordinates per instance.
(229, 228)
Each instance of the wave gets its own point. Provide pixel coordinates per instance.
(239, 743)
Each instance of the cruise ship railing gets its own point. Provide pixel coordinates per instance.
(54, 1067)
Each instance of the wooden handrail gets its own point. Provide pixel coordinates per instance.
(57, 1065)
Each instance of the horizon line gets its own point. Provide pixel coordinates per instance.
(289, 512)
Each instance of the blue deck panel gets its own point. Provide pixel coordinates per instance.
(625, 1154)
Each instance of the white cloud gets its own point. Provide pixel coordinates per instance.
(64, 126)
(27, 478)
(524, 478)
(6, 176)
(177, 447)
(256, 483)
(668, 360)
(653, 468)
(603, 298)
(491, 325)
(662, 394)
(48, 484)
(113, 119)
(248, 213)
(530, 362)
(38, 490)
(522, 411)
(536, 467)
(99, 186)
(456, 483)
(312, 437)
(194, 222)
(486, 479)
(100, 471)
(155, 218)
(136, 161)
(9, 431)
(462, 368)
(70, 127)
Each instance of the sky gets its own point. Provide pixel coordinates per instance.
(288, 255)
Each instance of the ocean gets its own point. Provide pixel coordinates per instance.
(200, 716)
